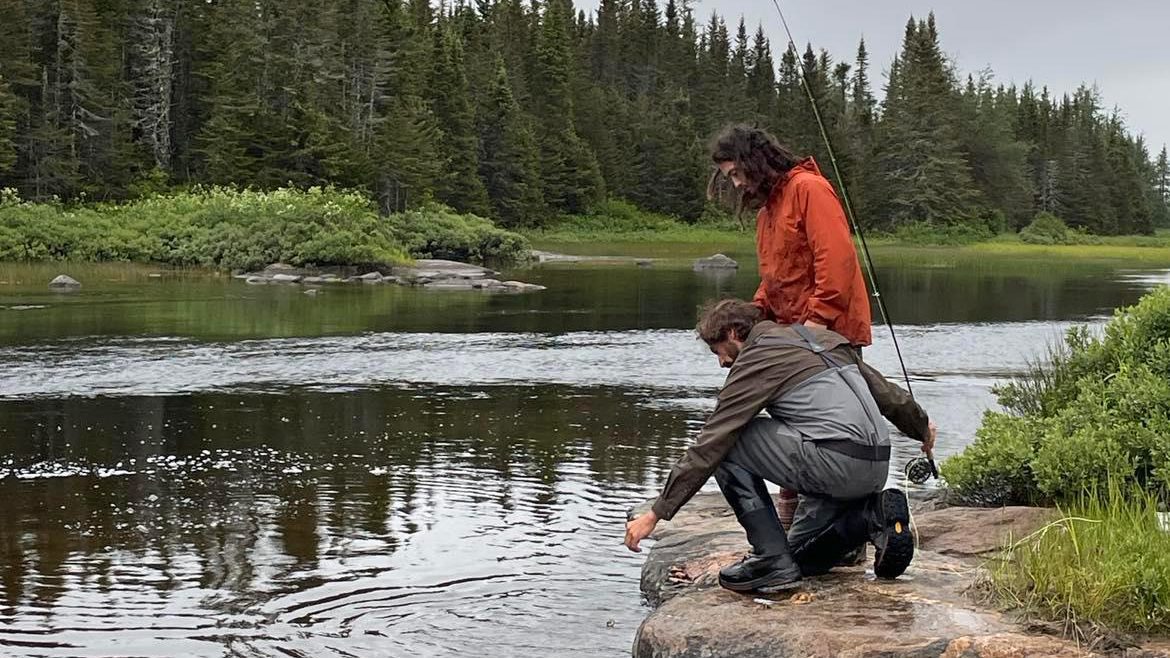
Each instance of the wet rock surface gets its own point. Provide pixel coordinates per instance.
(929, 611)
(431, 274)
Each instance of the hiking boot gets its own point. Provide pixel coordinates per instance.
(893, 542)
(759, 573)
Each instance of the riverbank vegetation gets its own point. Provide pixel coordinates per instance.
(226, 228)
(1087, 429)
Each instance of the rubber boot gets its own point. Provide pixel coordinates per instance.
(770, 567)
(745, 494)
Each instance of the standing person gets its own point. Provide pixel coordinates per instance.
(809, 271)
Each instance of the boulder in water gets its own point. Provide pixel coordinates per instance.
(716, 262)
(64, 282)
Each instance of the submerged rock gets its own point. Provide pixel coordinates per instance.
(64, 282)
(716, 262)
(926, 612)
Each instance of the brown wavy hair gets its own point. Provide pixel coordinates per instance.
(718, 318)
(759, 157)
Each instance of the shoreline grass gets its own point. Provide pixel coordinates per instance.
(1102, 567)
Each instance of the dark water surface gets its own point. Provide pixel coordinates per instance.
(191, 466)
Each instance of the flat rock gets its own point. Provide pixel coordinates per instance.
(846, 613)
(716, 262)
(286, 278)
(256, 280)
(520, 286)
(64, 282)
(438, 268)
(313, 280)
(977, 531)
(370, 277)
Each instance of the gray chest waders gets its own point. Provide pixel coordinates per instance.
(869, 441)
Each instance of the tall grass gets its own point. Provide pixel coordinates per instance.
(1104, 563)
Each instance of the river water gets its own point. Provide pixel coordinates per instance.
(191, 466)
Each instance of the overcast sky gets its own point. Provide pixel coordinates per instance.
(1123, 46)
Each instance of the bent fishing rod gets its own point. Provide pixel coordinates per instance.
(917, 470)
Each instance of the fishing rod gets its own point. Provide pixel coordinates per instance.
(916, 470)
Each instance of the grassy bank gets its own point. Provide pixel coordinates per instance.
(619, 228)
(243, 229)
(1102, 569)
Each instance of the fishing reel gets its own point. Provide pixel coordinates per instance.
(921, 469)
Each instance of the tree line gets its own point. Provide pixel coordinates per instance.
(521, 111)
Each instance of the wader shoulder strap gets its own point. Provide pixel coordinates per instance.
(808, 342)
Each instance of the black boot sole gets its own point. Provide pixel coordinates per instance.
(896, 555)
(769, 584)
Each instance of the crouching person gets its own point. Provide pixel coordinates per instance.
(823, 437)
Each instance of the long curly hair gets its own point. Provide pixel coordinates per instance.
(760, 159)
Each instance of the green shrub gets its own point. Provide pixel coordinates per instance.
(619, 220)
(246, 229)
(1045, 228)
(438, 232)
(617, 216)
(1048, 229)
(1068, 465)
(1098, 410)
(997, 468)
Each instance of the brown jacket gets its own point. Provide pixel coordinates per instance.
(808, 267)
(760, 374)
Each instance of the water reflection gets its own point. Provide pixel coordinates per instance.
(283, 518)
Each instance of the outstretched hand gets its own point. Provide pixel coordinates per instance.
(640, 528)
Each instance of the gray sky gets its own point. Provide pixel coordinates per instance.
(1123, 46)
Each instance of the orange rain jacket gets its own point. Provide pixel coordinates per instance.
(808, 267)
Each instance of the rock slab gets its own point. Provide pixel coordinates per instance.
(847, 613)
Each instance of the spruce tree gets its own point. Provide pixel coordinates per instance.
(1161, 187)
(459, 185)
(8, 135)
(997, 161)
(761, 79)
(571, 179)
(924, 175)
(508, 157)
